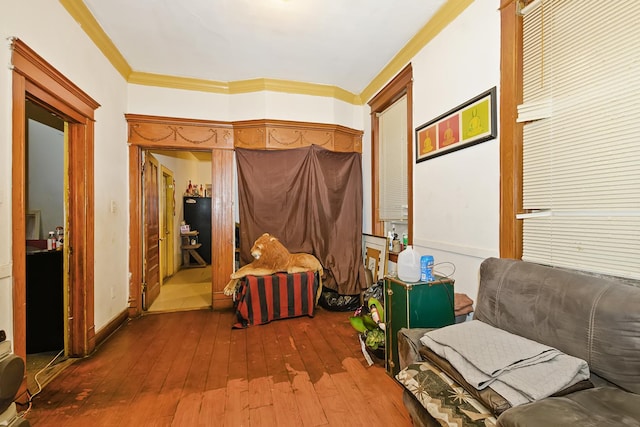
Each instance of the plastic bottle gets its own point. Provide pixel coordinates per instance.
(409, 265)
(426, 268)
(59, 235)
(51, 241)
(376, 316)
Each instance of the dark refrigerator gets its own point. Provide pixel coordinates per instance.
(197, 214)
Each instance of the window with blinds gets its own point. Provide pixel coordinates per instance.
(581, 138)
(393, 162)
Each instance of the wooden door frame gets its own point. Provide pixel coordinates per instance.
(165, 133)
(401, 85)
(36, 80)
(510, 130)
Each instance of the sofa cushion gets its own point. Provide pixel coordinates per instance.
(596, 407)
(593, 318)
(443, 398)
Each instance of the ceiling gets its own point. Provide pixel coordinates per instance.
(342, 43)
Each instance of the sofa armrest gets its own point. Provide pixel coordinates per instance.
(409, 345)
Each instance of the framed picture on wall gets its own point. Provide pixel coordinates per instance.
(375, 251)
(470, 123)
(32, 224)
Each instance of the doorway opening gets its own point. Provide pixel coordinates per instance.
(179, 134)
(46, 283)
(185, 279)
(36, 81)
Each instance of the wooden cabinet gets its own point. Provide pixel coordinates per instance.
(414, 305)
(45, 301)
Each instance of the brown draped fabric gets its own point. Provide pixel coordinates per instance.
(309, 198)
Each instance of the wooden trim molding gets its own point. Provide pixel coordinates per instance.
(154, 132)
(135, 231)
(222, 226)
(401, 85)
(40, 73)
(111, 327)
(282, 135)
(36, 80)
(187, 134)
(510, 130)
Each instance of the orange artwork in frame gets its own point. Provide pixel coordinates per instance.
(467, 124)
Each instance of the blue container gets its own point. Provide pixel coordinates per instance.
(426, 268)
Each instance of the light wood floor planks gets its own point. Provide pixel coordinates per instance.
(192, 369)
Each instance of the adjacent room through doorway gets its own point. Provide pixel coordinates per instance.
(184, 224)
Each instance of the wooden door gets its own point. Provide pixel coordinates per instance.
(167, 212)
(151, 221)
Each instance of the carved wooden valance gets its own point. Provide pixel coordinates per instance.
(158, 132)
(282, 135)
(190, 134)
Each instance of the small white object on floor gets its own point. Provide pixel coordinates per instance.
(365, 353)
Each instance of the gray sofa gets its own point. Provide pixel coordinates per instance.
(593, 318)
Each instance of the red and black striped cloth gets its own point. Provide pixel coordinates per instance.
(261, 299)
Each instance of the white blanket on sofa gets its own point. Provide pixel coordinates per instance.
(519, 369)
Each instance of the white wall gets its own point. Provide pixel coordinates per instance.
(456, 201)
(46, 27)
(168, 102)
(457, 196)
(46, 175)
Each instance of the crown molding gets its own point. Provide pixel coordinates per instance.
(288, 86)
(440, 20)
(175, 82)
(243, 86)
(443, 17)
(88, 23)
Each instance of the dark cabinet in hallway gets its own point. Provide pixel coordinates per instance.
(197, 214)
(45, 304)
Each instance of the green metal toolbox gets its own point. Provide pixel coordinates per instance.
(414, 305)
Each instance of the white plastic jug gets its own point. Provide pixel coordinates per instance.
(409, 265)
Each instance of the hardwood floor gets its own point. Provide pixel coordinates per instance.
(192, 369)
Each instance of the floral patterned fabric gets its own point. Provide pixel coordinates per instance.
(444, 399)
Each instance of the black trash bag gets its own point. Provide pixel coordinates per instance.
(376, 291)
(333, 301)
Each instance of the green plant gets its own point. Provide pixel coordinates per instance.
(363, 322)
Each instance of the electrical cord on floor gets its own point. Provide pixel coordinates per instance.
(31, 396)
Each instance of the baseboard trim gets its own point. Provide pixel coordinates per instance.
(111, 327)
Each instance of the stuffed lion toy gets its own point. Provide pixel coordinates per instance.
(272, 257)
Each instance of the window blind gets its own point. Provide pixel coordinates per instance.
(393, 162)
(581, 145)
